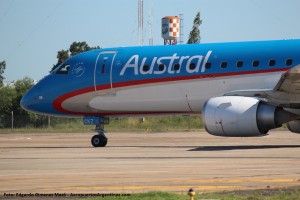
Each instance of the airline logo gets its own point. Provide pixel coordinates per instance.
(132, 65)
(78, 69)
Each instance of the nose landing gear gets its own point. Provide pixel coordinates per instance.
(99, 140)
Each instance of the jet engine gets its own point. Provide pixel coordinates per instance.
(236, 116)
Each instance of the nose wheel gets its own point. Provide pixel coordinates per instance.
(99, 140)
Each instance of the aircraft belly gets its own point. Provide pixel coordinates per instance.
(154, 98)
(79, 103)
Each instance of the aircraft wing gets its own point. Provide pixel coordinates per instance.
(286, 93)
(289, 81)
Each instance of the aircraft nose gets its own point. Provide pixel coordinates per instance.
(33, 100)
(24, 102)
(27, 101)
(38, 100)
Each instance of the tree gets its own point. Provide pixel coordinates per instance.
(21, 87)
(2, 69)
(10, 102)
(62, 55)
(79, 47)
(194, 37)
(8, 95)
(75, 48)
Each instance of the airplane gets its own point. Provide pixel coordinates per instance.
(242, 89)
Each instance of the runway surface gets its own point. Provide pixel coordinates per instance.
(139, 162)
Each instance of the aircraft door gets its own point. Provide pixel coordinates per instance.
(103, 71)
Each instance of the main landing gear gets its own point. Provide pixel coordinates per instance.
(99, 140)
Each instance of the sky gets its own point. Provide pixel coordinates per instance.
(33, 31)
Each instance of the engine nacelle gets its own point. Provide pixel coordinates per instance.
(235, 116)
(294, 126)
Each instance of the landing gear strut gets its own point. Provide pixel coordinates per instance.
(99, 140)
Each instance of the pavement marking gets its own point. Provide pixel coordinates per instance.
(16, 138)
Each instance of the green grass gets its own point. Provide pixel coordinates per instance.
(132, 124)
(269, 194)
(156, 124)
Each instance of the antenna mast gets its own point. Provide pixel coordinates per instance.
(150, 24)
(140, 22)
(181, 34)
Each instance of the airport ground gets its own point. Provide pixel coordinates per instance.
(138, 162)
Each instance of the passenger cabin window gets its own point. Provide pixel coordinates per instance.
(176, 67)
(255, 63)
(192, 66)
(240, 64)
(208, 65)
(289, 62)
(272, 62)
(64, 69)
(161, 67)
(146, 68)
(223, 64)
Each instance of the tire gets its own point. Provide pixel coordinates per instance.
(98, 141)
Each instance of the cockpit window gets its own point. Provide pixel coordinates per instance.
(64, 69)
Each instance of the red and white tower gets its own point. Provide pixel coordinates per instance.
(170, 29)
